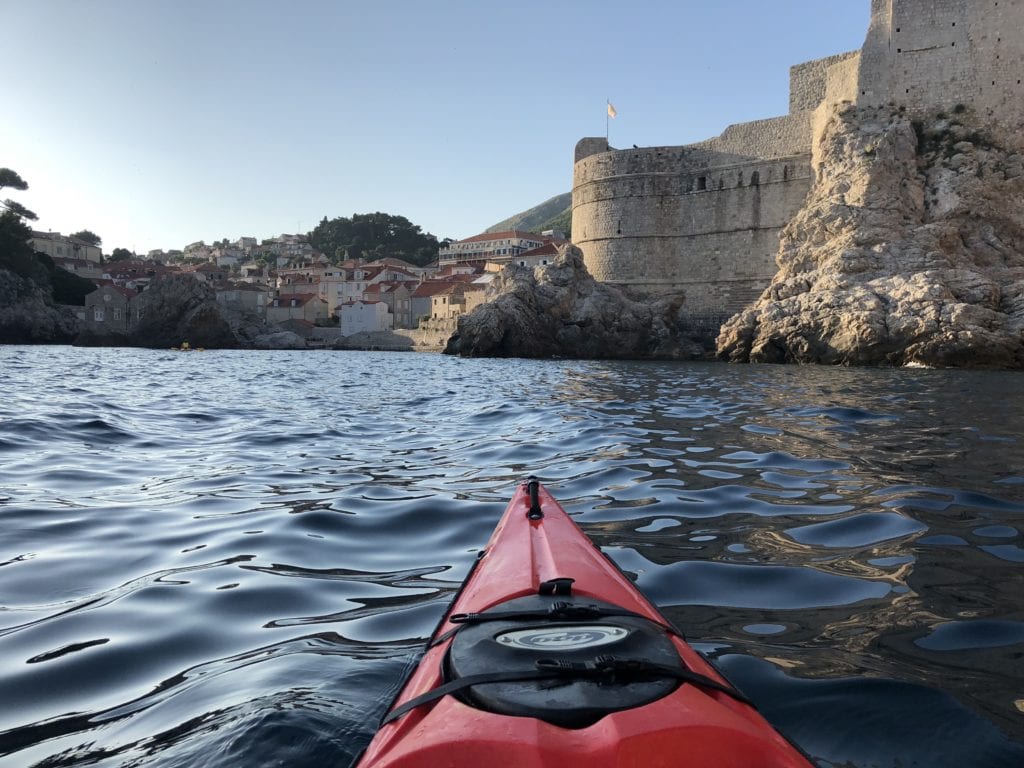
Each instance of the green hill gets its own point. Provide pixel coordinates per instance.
(555, 213)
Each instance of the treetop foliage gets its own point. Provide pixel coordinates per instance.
(9, 178)
(374, 236)
(88, 237)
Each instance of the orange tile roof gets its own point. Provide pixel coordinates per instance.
(508, 235)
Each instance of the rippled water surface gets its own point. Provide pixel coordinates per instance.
(231, 558)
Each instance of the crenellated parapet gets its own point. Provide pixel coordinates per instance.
(705, 219)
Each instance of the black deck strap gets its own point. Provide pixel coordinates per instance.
(605, 669)
(561, 586)
(532, 487)
(465, 682)
(615, 670)
(557, 611)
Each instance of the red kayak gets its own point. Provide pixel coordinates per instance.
(550, 657)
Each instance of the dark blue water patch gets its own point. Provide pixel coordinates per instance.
(909, 496)
(1009, 552)
(857, 530)
(964, 635)
(862, 722)
(793, 482)
(840, 414)
(758, 429)
(658, 524)
(996, 532)
(942, 540)
(745, 586)
(64, 650)
(764, 629)
(739, 499)
(201, 417)
(781, 460)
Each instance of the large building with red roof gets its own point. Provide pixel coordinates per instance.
(493, 246)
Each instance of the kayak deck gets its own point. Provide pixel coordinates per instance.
(537, 545)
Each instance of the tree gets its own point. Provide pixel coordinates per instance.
(89, 237)
(16, 252)
(17, 255)
(9, 178)
(373, 236)
(121, 254)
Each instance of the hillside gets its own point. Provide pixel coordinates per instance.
(555, 213)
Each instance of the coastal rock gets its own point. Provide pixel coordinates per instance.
(909, 250)
(180, 308)
(559, 310)
(279, 340)
(29, 316)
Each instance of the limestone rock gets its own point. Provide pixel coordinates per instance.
(180, 308)
(559, 310)
(909, 250)
(279, 340)
(29, 316)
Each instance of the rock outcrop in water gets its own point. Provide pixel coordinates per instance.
(559, 310)
(28, 314)
(180, 308)
(908, 250)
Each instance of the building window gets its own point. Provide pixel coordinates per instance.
(117, 314)
(97, 314)
(702, 183)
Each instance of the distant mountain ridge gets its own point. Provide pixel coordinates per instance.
(555, 213)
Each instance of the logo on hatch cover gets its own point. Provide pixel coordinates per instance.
(563, 638)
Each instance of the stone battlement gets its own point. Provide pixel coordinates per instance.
(704, 219)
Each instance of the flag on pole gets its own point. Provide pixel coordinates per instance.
(611, 110)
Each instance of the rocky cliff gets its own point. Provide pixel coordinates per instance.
(180, 308)
(28, 314)
(561, 311)
(908, 250)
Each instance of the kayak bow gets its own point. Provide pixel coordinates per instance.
(549, 656)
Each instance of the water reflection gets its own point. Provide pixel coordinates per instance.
(222, 562)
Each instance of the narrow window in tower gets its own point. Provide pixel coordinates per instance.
(702, 183)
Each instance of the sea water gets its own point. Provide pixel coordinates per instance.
(232, 558)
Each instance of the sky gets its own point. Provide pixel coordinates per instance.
(157, 123)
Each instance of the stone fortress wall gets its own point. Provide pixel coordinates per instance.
(704, 219)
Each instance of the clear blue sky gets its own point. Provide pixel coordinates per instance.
(156, 123)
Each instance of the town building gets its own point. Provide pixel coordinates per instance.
(57, 246)
(305, 306)
(538, 257)
(359, 316)
(490, 246)
(108, 309)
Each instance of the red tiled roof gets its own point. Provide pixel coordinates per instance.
(301, 297)
(548, 249)
(126, 292)
(430, 288)
(509, 235)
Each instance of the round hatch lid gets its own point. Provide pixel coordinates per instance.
(516, 644)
